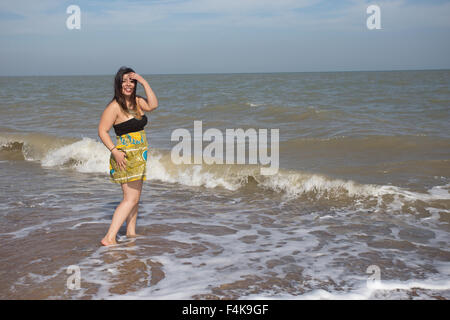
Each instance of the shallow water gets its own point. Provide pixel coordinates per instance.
(363, 185)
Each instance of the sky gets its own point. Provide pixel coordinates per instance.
(222, 36)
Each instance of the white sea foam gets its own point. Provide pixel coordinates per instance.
(380, 290)
(88, 155)
(185, 277)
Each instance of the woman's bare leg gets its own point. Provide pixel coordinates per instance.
(131, 194)
(132, 217)
(131, 222)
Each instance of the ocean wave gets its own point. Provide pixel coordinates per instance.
(90, 156)
(29, 146)
(378, 143)
(385, 289)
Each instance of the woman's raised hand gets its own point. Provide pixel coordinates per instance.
(139, 78)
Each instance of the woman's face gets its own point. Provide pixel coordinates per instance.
(127, 84)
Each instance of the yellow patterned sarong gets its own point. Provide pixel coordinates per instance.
(135, 146)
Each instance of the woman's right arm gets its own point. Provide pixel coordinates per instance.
(106, 122)
(107, 119)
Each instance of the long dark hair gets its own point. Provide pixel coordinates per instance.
(120, 98)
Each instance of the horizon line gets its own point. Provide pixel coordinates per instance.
(224, 73)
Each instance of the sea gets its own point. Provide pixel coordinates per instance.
(358, 208)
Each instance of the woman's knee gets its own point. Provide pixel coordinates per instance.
(131, 193)
(132, 201)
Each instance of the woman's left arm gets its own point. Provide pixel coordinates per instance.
(152, 102)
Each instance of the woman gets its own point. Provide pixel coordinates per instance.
(128, 158)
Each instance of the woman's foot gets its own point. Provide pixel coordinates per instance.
(133, 235)
(106, 242)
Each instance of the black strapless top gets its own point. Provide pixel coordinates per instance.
(131, 125)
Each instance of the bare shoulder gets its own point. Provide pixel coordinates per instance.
(109, 116)
(113, 105)
(112, 108)
(111, 111)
